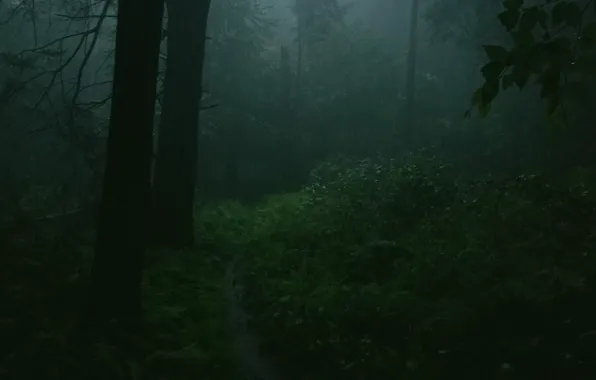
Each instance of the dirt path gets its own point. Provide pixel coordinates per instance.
(246, 343)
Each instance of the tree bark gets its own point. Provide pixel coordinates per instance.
(115, 288)
(175, 170)
(410, 132)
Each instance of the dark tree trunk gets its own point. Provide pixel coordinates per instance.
(115, 288)
(411, 72)
(175, 171)
(409, 128)
(285, 79)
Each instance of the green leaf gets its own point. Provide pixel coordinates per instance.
(543, 19)
(483, 96)
(492, 70)
(484, 109)
(520, 75)
(477, 97)
(529, 19)
(536, 58)
(509, 18)
(523, 38)
(559, 13)
(496, 53)
(573, 15)
(490, 90)
(561, 43)
(507, 81)
(513, 4)
(560, 51)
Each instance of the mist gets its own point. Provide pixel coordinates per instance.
(297, 189)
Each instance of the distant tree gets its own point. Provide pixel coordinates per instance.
(468, 23)
(409, 122)
(115, 289)
(237, 73)
(314, 19)
(175, 171)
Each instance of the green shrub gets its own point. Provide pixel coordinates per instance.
(385, 269)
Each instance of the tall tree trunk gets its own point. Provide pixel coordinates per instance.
(115, 289)
(299, 63)
(285, 78)
(410, 132)
(175, 171)
(287, 168)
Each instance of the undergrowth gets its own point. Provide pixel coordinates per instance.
(378, 268)
(385, 269)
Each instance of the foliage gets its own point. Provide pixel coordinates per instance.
(553, 42)
(378, 268)
(384, 268)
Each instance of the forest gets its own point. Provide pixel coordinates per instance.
(297, 189)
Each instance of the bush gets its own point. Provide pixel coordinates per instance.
(384, 269)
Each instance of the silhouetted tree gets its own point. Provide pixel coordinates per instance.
(411, 74)
(115, 291)
(175, 171)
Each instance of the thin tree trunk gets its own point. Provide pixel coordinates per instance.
(285, 78)
(287, 164)
(175, 171)
(409, 120)
(115, 289)
(300, 55)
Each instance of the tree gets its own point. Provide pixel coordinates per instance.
(468, 23)
(411, 73)
(175, 171)
(115, 289)
(314, 22)
(236, 70)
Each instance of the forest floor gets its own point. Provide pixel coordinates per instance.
(378, 270)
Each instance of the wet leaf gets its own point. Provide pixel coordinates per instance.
(520, 76)
(507, 81)
(509, 18)
(543, 19)
(573, 15)
(492, 70)
(513, 4)
(559, 13)
(496, 53)
(490, 90)
(529, 19)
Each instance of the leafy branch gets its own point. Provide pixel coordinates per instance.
(551, 43)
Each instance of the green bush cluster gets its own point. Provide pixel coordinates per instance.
(386, 268)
